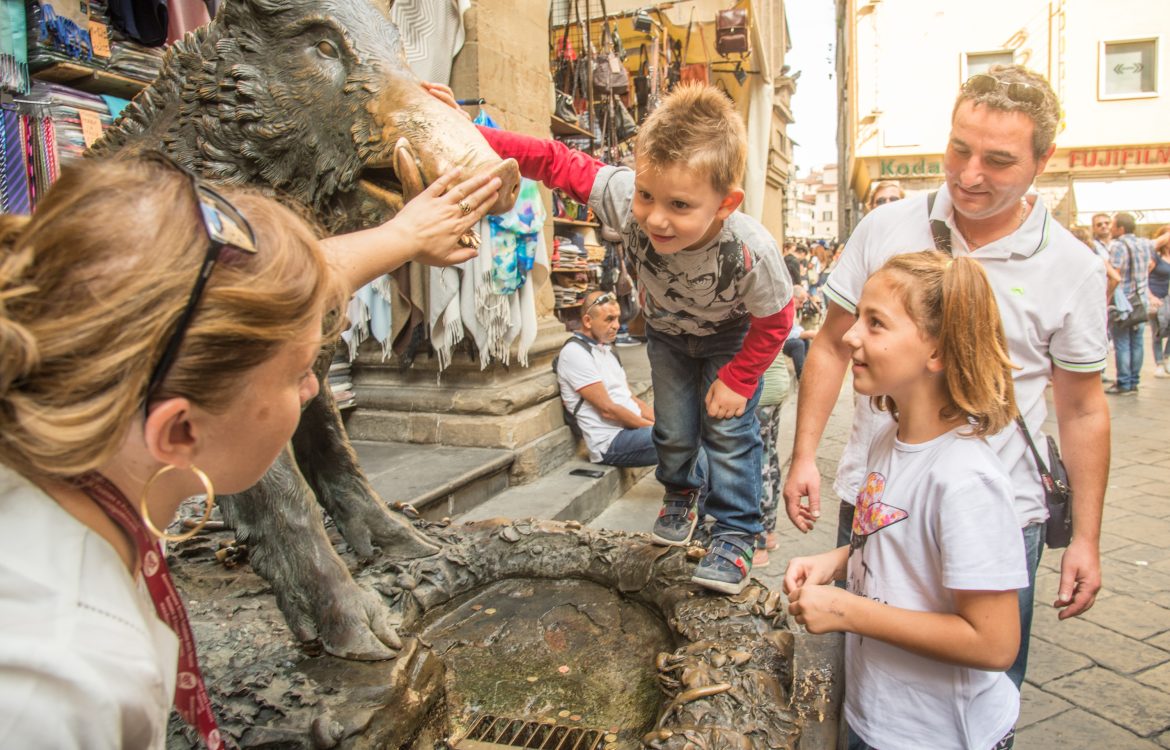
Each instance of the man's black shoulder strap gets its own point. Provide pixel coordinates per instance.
(580, 340)
(938, 228)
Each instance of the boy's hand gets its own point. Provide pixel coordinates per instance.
(443, 93)
(820, 609)
(724, 403)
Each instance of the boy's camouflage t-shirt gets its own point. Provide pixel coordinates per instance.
(701, 291)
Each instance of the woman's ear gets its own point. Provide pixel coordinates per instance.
(169, 433)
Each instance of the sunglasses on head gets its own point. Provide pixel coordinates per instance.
(226, 229)
(1018, 91)
(884, 201)
(604, 299)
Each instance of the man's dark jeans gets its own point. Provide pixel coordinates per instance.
(631, 447)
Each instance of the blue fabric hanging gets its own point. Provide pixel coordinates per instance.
(513, 239)
(483, 118)
(64, 34)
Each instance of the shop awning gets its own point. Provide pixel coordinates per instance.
(1148, 199)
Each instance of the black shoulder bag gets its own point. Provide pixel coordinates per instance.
(1057, 491)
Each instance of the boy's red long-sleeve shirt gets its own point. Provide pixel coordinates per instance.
(741, 274)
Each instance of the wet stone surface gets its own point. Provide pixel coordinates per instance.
(570, 652)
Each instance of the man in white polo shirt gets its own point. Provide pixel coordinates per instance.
(615, 424)
(1049, 292)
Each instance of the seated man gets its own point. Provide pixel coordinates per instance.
(616, 424)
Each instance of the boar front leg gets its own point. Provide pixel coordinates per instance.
(330, 466)
(282, 525)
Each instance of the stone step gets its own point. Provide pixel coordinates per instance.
(438, 480)
(560, 495)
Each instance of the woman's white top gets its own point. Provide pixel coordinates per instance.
(84, 660)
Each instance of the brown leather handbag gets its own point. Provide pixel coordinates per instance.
(731, 32)
(694, 72)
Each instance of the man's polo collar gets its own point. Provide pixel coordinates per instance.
(592, 341)
(1032, 236)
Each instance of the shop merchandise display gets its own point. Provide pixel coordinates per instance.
(54, 39)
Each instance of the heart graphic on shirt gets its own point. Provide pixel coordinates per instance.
(871, 513)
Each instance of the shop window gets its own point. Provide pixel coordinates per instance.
(979, 62)
(1129, 69)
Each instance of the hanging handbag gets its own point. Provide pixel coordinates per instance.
(731, 32)
(1129, 310)
(692, 72)
(1057, 492)
(564, 108)
(642, 84)
(609, 74)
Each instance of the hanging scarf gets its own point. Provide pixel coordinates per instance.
(13, 47)
(514, 236)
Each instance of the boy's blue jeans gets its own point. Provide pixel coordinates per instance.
(682, 369)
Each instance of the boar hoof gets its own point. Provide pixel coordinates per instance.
(353, 623)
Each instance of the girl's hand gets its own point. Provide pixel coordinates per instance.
(815, 570)
(434, 221)
(821, 609)
(724, 403)
(443, 93)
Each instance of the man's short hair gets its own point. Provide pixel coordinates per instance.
(696, 126)
(589, 304)
(1126, 221)
(1101, 216)
(1044, 113)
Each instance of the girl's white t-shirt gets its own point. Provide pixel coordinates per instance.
(931, 518)
(84, 659)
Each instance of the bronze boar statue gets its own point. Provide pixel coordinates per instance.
(314, 101)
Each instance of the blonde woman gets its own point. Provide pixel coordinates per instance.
(157, 340)
(883, 192)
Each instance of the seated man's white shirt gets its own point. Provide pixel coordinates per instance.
(84, 660)
(578, 368)
(1049, 291)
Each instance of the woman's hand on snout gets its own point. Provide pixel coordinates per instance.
(434, 221)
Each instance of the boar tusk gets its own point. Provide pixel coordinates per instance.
(407, 169)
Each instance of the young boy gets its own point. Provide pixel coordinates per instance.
(717, 302)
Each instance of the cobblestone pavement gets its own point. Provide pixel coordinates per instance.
(1098, 681)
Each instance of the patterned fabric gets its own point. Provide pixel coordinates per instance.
(432, 34)
(773, 482)
(513, 239)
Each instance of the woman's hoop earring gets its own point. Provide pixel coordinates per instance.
(208, 488)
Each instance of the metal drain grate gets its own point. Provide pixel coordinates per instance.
(489, 731)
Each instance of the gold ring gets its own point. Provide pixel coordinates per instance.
(464, 207)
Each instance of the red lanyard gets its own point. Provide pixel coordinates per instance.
(191, 699)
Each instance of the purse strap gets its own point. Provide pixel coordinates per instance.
(938, 228)
(1046, 477)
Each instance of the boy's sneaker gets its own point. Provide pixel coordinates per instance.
(727, 565)
(676, 521)
(1161, 371)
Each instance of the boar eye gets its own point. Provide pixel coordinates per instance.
(327, 49)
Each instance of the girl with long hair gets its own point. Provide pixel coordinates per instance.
(936, 555)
